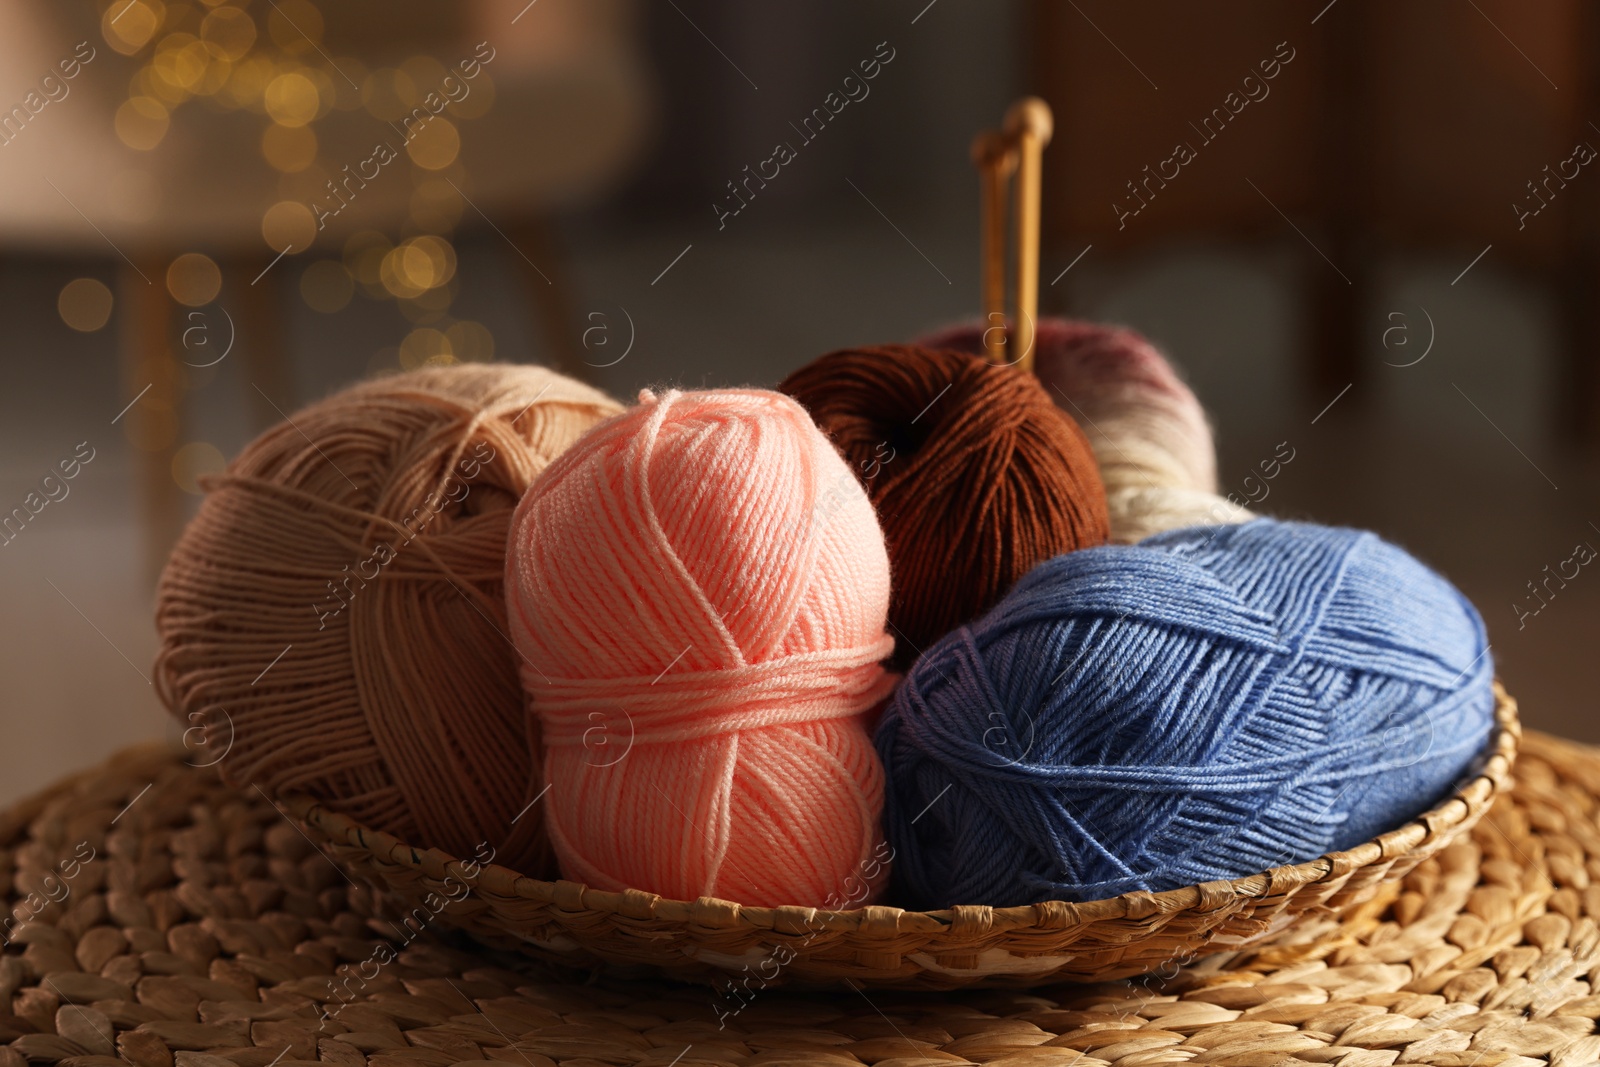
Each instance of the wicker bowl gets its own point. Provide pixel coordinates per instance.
(725, 943)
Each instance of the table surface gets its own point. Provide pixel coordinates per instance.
(160, 918)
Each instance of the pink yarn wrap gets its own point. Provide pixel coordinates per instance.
(698, 589)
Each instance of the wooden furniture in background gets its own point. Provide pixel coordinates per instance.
(1384, 128)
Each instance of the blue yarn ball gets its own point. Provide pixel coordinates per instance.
(1204, 705)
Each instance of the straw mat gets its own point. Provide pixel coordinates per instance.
(159, 919)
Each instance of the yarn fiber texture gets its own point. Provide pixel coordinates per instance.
(1206, 705)
(698, 589)
(1151, 436)
(334, 619)
(975, 474)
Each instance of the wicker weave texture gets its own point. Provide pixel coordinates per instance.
(888, 948)
(206, 931)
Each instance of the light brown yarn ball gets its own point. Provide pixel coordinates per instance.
(334, 615)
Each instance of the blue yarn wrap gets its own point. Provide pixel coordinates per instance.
(1206, 704)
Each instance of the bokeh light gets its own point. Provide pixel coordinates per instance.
(470, 342)
(194, 461)
(85, 304)
(141, 122)
(291, 99)
(288, 224)
(429, 261)
(194, 279)
(422, 346)
(435, 145)
(269, 61)
(128, 26)
(247, 84)
(417, 265)
(295, 25)
(364, 255)
(423, 71)
(396, 280)
(388, 94)
(181, 60)
(289, 148)
(229, 31)
(146, 82)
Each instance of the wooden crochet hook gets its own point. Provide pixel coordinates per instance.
(996, 162)
(1017, 149)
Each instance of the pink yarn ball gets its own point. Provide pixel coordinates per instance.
(698, 588)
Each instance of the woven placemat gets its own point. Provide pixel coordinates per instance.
(160, 919)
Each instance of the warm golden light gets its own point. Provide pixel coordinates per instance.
(194, 461)
(269, 59)
(194, 279)
(289, 224)
(364, 255)
(247, 84)
(430, 261)
(289, 148)
(471, 341)
(292, 99)
(396, 278)
(295, 25)
(217, 73)
(435, 145)
(386, 94)
(85, 304)
(129, 25)
(181, 60)
(423, 345)
(141, 122)
(230, 31)
(423, 71)
(415, 266)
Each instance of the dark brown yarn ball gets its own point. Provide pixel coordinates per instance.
(976, 475)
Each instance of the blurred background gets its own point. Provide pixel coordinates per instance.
(1369, 232)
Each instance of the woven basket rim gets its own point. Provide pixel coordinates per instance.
(1467, 803)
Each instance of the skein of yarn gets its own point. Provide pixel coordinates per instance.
(333, 617)
(1149, 432)
(975, 474)
(1206, 705)
(699, 589)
